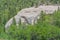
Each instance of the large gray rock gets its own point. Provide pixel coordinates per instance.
(48, 9)
(30, 15)
(27, 16)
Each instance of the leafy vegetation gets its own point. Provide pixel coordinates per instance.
(47, 27)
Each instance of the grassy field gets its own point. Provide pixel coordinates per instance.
(47, 27)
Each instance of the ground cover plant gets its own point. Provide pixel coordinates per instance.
(47, 27)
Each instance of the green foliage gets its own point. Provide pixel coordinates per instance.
(43, 30)
(47, 27)
(56, 18)
(34, 32)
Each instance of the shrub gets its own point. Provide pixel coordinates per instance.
(56, 18)
(34, 32)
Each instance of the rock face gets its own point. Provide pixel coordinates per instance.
(27, 16)
(49, 9)
(30, 15)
